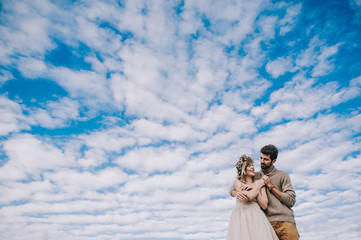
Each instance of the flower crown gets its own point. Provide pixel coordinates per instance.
(240, 163)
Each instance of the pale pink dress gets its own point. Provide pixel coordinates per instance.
(248, 222)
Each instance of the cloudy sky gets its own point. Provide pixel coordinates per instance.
(124, 119)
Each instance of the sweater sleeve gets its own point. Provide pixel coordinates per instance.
(288, 193)
(231, 189)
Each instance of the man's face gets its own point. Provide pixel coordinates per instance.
(266, 161)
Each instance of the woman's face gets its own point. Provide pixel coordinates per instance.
(250, 170)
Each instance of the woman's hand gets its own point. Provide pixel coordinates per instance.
(241, 197)
(266, 180)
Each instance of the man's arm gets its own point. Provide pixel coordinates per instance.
(287, 196)
(275, 191)
(288, 192)
(232, 191)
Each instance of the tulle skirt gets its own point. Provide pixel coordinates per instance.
(248, 222)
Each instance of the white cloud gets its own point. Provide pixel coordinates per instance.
(93, 36)
(300, 98)
(290, 19)
(26, 33)
(148, 159)
(31, 155)
(112, 140)
(142, 102)
(268, 25)
(64, 109)
(318, 57)
(5, 76)
(308, 56)
(11, 117)
(180, 101)
(54, 114)
(15, 191)
(77, 182)
(31, 67)
(245, 15)
(280, 66)
(155, 131)
(87, 85)
(142, 66)
(324, 65)
(223, 118)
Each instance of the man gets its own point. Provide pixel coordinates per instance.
(280, 193)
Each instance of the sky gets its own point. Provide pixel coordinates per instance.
(124, 119)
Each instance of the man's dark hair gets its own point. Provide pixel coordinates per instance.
(270, 150)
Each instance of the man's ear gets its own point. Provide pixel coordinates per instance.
(273, 161)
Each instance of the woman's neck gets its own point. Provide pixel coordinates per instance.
(249, 180)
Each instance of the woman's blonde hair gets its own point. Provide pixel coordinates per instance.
(241, 166)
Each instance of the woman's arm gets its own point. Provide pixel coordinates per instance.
(238, 189)
(262, 198)
(235, 187)
(252, 194)
(237, 184)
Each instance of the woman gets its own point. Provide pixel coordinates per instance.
(248, 221)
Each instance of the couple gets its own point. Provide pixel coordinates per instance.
(269, 189)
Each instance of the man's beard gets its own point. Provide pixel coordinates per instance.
(264, 166)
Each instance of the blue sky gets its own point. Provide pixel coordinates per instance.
(124, 119)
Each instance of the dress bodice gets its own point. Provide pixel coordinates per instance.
(254, 201)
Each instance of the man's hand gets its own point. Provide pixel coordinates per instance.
(266, 180)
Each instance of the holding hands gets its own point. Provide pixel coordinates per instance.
(267, 182)
(266, 179)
